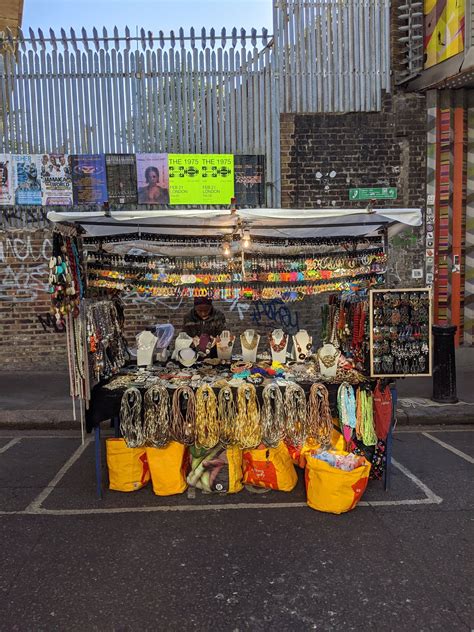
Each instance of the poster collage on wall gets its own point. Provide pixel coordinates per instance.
(121, 179)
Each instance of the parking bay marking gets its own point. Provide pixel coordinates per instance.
(35, 507)
(449, 447)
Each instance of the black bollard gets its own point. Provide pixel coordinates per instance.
(444, 364)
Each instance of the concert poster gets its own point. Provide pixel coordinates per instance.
(121, 178)
(249, 177)
(27, 179)
(89, 179)
(152, 179)
(6, 188)
(56, 183)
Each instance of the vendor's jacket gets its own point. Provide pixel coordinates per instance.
(195, 326)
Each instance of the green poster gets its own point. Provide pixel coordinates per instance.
(201, 178)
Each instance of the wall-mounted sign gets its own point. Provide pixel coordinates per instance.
(201, 178)
(377, 193)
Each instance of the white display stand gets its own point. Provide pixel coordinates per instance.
(328, 359)
(301, 345)
(183, 341)
(225, 345)
(146, 342)
(249, 341)
(276, 338)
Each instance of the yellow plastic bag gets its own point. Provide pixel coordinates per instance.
(331, 489)
(270, 467)
(298, 455)
(218, 469)
(128, 467)
(168, 468)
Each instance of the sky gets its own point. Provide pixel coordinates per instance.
(153, 15)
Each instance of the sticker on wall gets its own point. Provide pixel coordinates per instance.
(26, 179)
(6, 186)
(56, 182)
(152, 179)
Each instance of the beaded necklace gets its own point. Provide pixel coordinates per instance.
(248, 430)
(156, 416)
(346, 406)
(277, 347)
(319, 415)
(130, 418)
(183, 427)
(295, 414)
(207, 427)
(273, 419)
(226, 415)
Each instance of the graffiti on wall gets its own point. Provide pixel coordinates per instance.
(23, 269)
(277, 312)
(50, 324)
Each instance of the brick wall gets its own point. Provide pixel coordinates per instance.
(364, 149)
(29, 339)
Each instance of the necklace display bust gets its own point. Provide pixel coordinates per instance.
(302, 343)
(328, 358)
(225, 344)
(278, 345)
(146, 342)
(249, 341)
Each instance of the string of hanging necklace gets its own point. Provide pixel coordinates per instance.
(319, 415)
(295, 414)
(248, 430)
(226, 414)
(182, 426)
(156, 418)
(272, 416)
(131, 426)
(207, 426)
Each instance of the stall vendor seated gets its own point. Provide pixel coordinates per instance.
(204, 318)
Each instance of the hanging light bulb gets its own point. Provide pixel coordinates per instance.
(246, 238)
(226, 248)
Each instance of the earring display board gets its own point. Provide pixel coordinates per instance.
(400, 332)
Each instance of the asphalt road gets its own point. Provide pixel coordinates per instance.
(402, 560)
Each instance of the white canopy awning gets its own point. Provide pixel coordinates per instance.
(268, 222)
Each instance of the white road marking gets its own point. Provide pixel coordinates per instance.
(420, 429)
(39, 500)
(449, 447)
(10, 444)
(430, 495)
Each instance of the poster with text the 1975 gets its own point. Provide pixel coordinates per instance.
(6, 188)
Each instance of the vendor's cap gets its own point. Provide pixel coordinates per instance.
(202, 300)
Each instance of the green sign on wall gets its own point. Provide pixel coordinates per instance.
(382, 193)
(201, 178)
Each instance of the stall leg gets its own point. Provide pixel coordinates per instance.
(389, 442)
(116, 425)
(98, 462)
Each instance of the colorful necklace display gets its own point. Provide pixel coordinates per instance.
(278, 346)
(249, 346)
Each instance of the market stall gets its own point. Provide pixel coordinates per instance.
(301, 397)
